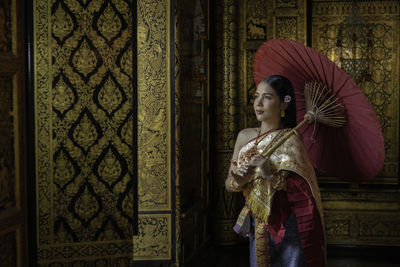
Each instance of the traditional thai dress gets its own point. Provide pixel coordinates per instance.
(285, 212)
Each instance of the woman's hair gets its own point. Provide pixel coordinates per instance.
(284, 87)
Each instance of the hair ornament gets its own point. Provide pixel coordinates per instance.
(287, 98)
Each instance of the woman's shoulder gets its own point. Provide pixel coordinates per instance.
(245, 135)
(248, 133)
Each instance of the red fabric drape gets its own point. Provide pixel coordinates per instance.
(298, 199)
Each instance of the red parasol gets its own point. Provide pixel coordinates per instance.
(354, 152)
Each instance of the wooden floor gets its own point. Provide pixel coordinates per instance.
(238, 256)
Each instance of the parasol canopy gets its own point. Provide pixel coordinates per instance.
(354, 152)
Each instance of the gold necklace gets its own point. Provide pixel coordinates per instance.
(253, 151)
(246, 156)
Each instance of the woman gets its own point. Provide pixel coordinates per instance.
(283, 212)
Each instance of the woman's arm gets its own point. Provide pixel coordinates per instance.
(242, 174)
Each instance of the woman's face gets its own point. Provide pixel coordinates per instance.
(267, 105)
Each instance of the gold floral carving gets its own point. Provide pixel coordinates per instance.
(63, 96)
(109, 23)
(109, 96)
(62, 22)
(63, 169)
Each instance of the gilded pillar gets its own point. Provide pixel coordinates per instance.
(227, 205)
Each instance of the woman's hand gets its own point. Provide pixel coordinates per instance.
(258, 161)
(243, 174)
(262, 166)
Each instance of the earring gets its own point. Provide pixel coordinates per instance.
(282, 113)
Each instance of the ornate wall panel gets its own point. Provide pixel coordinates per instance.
(156, 132)
(83, 131)
(372, 60)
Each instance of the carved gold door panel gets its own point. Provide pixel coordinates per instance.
(83, 132)
(13, 211)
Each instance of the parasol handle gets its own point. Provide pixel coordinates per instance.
(307, 118)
